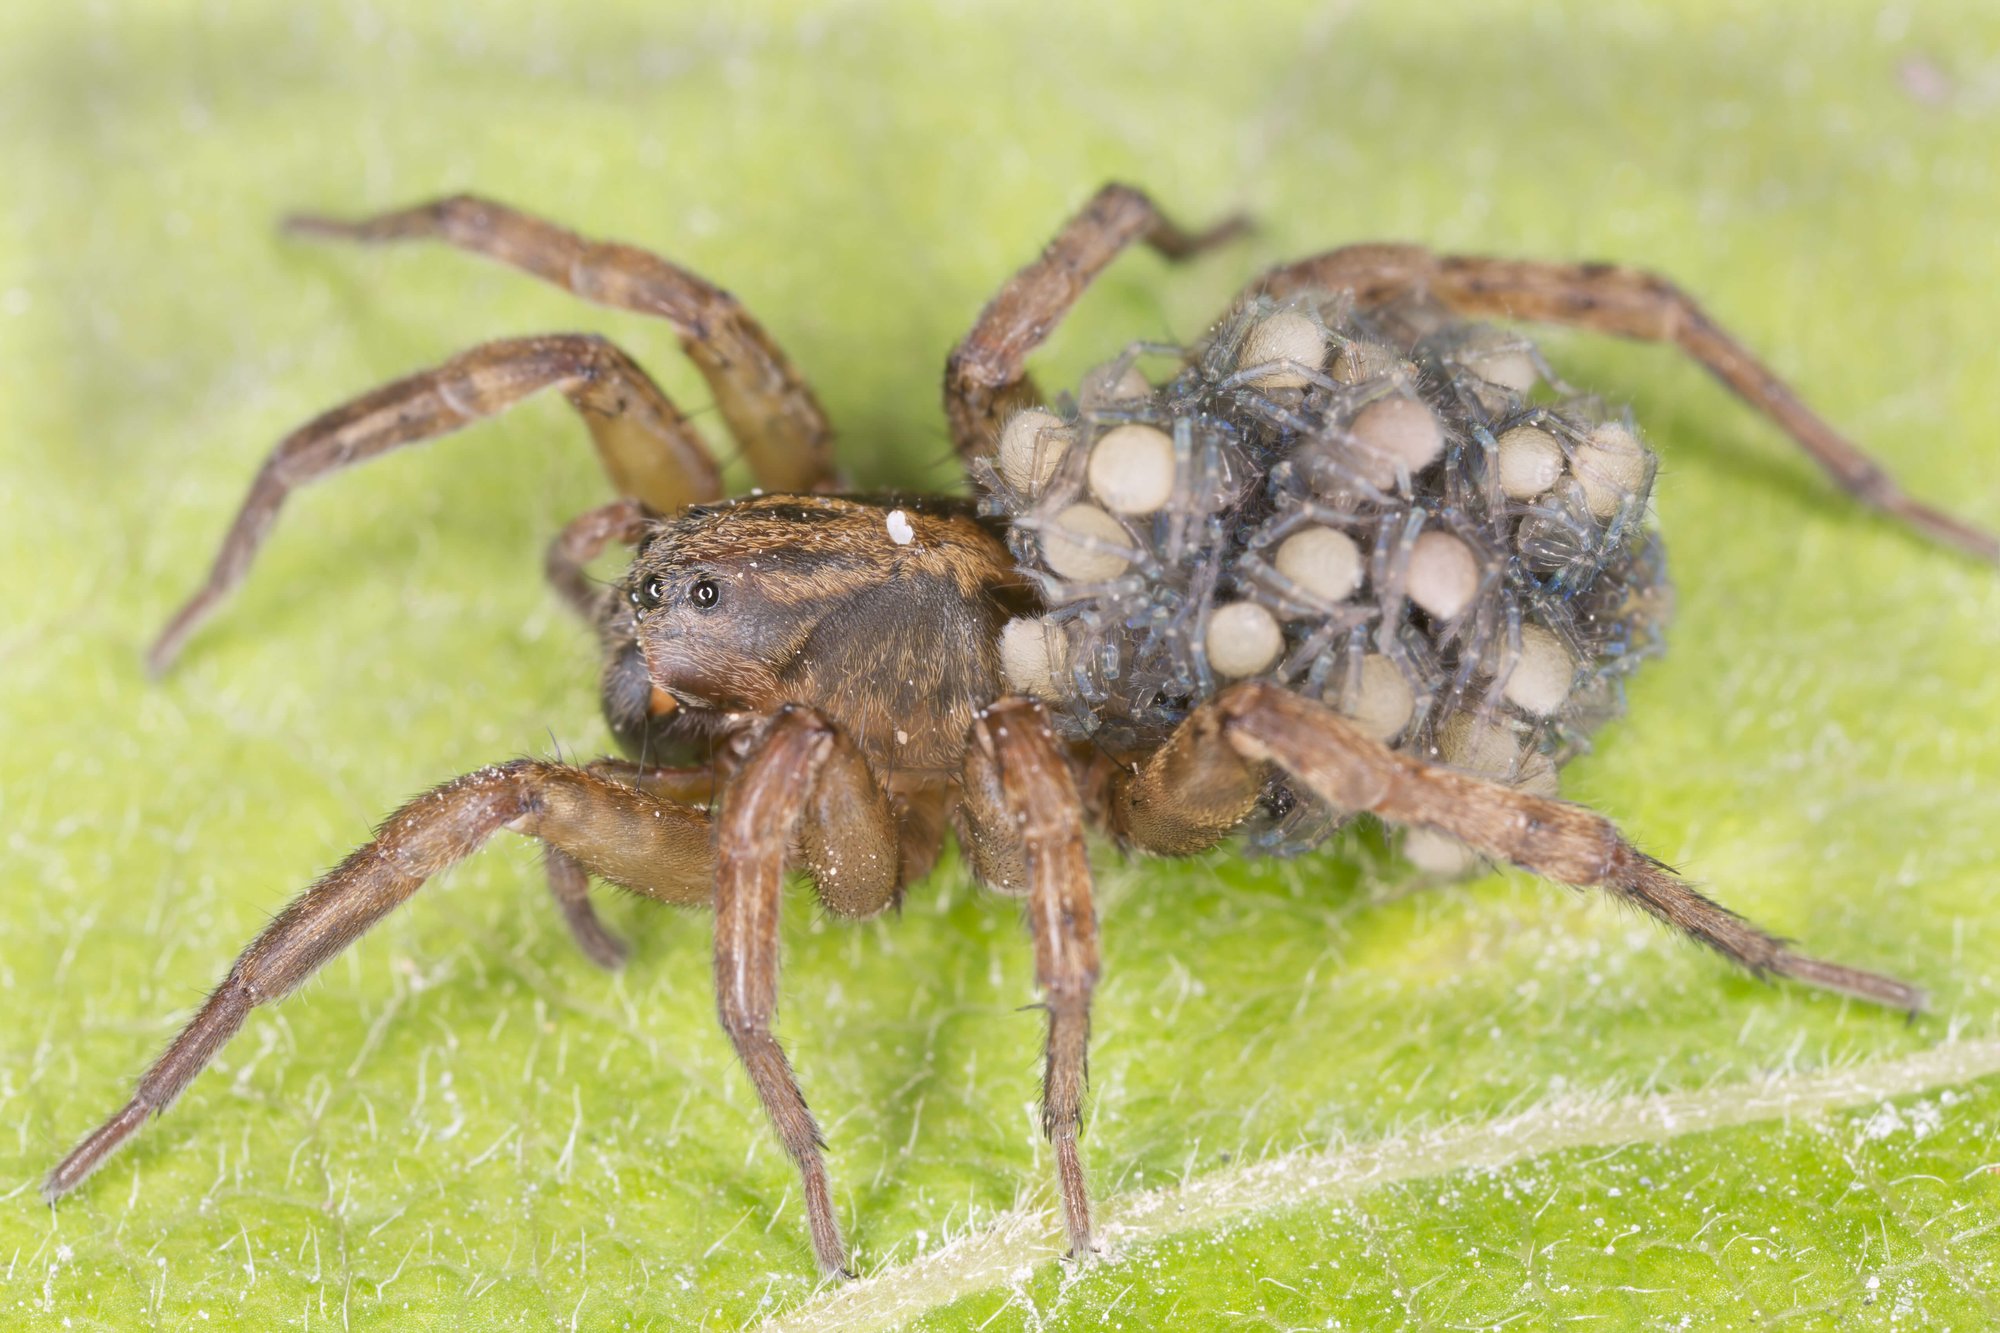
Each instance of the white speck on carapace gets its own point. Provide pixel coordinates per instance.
(900, 531)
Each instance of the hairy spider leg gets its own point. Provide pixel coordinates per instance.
(569, 881)
(801, 780)
(770, 408)
(582, 540)
(1554, 839)
(1023, 831)
(985, 380)
(1630, 303)
(648, 448)
(619, 833)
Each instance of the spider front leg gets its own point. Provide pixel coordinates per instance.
(1024, 834)
(1630, 303)
(616, 832)
(645, 444)
(986, 379)
(569, 881)
(582, 540)
(1560, 841)
(770, 408)
(569, 885)
(801, 784)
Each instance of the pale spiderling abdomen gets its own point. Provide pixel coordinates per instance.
(1403, 514)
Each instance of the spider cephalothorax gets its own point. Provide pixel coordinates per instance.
(886, 625)
(1352, 555)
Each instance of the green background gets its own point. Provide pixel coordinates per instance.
(462, 1124)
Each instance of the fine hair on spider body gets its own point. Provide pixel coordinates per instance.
(1354, 554)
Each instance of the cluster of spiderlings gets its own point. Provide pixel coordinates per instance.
(1393, 511)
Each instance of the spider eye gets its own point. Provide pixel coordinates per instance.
(704, 593)
(649, 594)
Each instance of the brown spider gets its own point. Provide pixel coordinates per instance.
(1351, 556)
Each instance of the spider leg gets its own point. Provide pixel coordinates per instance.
(1630, 303)
(769, 407)
(693, 785)
(1555, 839)
(1196, 789)
(569, 885)
(1189, 794)
(615, 831)
(1025, 836)
(801, 784)
(582, 540)
(647, 447)
(985, 380)
(569, 881)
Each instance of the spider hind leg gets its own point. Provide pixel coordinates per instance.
(1554, 839)
(1629, 303)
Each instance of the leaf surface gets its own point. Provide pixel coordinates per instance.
(462, 1124)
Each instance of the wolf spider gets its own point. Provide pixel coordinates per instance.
(827, 671)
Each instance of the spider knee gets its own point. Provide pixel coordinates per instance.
(742, 1025)
(461, 215)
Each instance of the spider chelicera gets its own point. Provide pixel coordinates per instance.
(1351, 555)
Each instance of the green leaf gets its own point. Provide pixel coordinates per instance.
(1317, 1097)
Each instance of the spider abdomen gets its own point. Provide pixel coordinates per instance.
(1402, 514)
